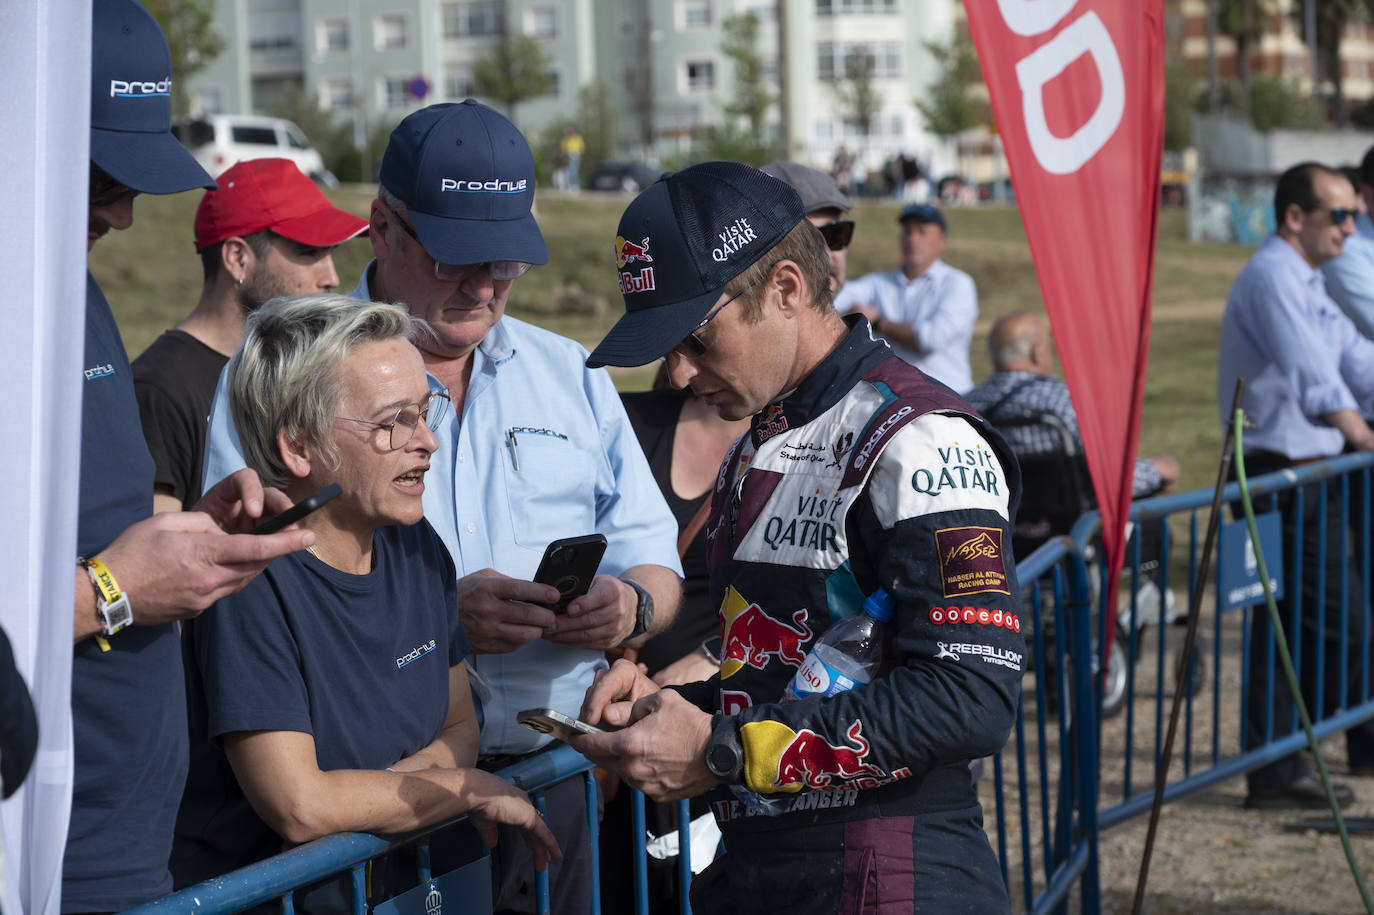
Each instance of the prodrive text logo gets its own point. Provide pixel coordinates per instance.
(418, 652)
(140, 88)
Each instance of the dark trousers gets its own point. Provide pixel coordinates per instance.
(570, 877)
(1318, 608)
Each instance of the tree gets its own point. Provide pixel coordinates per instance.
(194, 43)
(859, 101)
(1180, 96)
(516, 68)
(949, 108)
(1332, 18)
(596, 113)
(740, 43)
(1244, 22)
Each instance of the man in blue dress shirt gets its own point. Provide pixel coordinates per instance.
(538, 448)
(925, 308)
(1309, 374)
(1350, 277)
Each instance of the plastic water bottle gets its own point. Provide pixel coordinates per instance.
(847, 655)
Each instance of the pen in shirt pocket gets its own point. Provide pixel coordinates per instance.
(514, 452)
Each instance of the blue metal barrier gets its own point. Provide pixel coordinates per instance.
(1207, 703)
(1057, 829)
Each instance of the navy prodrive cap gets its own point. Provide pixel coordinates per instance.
(679, 244)
(466, 176)
(131, 103)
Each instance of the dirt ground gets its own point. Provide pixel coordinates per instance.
(1210, 854)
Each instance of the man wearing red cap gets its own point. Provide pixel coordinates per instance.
(266, 232)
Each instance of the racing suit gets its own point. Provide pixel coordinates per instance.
(868, 474)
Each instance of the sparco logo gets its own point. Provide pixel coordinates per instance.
(419, 652)
(867, 450)
(478, 186)
(138, 88)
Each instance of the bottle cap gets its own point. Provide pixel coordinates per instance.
(879, 605)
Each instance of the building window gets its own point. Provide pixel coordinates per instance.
(832, 58)
(393, 92)
(389, 32)
(458, 82)
(331, 35)
(694, 14)
(541, 22)
(555, 84)
(336, 94)
(860, 7)
(464, 20)
(700, 75)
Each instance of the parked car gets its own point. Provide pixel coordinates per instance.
(221, 140)
(628, 177)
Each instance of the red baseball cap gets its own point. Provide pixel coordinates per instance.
(260, 194)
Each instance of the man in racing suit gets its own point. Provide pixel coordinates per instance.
(858, 472)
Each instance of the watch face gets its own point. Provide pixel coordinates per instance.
(721, 759)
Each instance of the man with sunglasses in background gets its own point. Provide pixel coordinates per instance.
(857, 472)
(925, 308)
(1308, 375)
(826, 206)
(1350, 277)
(267, 231)
(538, 447)
(137, 573)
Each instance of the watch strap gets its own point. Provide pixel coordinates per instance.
(644, 610)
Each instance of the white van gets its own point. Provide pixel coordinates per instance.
(221, 140)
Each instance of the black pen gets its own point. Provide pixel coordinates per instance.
(514, 454)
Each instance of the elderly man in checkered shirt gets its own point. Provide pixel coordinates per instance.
(1022, 391)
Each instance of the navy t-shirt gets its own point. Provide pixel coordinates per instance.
(360, 662)
(128, 706)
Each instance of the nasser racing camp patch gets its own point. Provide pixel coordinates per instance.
(971, 561)
(938, 463)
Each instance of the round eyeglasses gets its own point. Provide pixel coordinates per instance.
(503, 271)
(402, 427)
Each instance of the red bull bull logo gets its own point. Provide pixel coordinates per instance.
(771, 423)
(627, 252)
(753, 637)
(815, 762)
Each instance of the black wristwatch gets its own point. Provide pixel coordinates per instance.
(724, 753)
(644, 612)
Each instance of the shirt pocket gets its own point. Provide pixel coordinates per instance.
(550, 487)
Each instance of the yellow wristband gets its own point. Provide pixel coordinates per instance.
(112, 607)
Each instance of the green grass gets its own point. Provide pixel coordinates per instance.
(151, 275)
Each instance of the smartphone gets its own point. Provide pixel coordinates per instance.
(299, 510)
(570, 565)
(549, 721)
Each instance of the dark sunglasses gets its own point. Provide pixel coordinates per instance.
(1338, 217)
(105, 190)
(838, 234)
(692, 345)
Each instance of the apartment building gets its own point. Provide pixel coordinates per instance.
(370, 62)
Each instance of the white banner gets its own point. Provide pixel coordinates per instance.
(46, 63)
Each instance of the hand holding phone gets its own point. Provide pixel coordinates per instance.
(570, 565)
(551, 721)
(299, 510)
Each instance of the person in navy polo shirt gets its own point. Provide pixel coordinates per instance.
(330, 695)
(137, 574)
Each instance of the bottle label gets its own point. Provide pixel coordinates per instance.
(817, 677)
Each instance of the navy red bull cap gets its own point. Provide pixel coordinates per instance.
(466, 176)
(131, 103)
(680, 242)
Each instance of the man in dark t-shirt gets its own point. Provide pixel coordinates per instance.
(266, 231)
(137, 575)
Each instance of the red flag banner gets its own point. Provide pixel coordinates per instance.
(1077, 91)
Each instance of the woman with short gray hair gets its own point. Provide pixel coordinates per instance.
(321, 700)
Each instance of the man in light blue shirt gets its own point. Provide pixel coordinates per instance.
(538, 448)
(925, 308)
(1308, 375)
(1350, 277)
